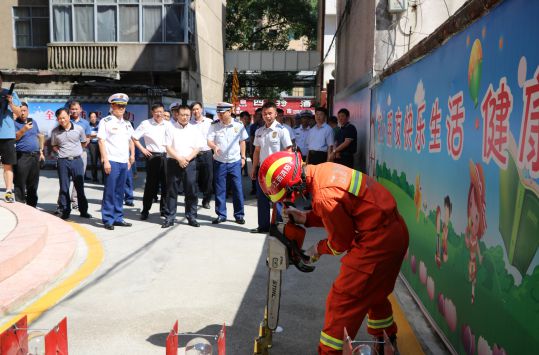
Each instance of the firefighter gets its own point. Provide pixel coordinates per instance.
(361, 220)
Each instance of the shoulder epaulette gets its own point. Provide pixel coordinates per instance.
(214, 122)
(106, 119)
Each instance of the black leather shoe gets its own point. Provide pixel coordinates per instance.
(64, 216)
(240, 221)
(144, 215)
(110, 227)
(86, 215)
(258, 230)
(218, 220)
(167, 224)
(193, 223)
(206, 205)
(122, 224)
(130, 204)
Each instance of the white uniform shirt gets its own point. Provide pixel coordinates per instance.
(203, 126)
(227, 138)
(116, 132)
(271, 139)
(183, 139)
(320, 138)
(153, 134)
(301, 139)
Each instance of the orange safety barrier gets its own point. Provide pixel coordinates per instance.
(172, 340)
(221, 341)
(56, 339)
(14, 340)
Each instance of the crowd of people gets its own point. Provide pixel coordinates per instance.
(185, 152)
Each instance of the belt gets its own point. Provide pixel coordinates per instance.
(159, 154)
(32, 154)
(71, 158)
(203, 152)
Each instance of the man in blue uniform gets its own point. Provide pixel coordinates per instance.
(117, 154)
(227, 139)
(29, 154)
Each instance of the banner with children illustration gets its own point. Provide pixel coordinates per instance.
(456, 140)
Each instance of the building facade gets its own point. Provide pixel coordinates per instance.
(153, 50)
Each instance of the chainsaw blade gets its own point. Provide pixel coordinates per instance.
(274, 297)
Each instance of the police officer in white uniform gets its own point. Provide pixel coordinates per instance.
(117, 154)
(270, 138)
(227, 139)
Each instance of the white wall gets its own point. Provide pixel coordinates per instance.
(395, 34)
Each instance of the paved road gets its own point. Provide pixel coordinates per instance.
(201, 276)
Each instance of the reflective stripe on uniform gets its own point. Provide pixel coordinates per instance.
(333, 251)
(355, 182)
(330, 341)
(380, 323)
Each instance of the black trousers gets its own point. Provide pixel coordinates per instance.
(317, 157)
(204, 166)
(346, 160)
(26, 178)
(156, 174)
(94, 159)
(187, 176)
(71, 170)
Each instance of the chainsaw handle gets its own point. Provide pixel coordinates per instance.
(290, 204)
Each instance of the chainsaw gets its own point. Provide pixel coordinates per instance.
(284, 248)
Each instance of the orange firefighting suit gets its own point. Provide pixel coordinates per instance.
(361, 218)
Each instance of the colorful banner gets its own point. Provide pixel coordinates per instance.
(43, 114)
(456, 140)
(290, 105)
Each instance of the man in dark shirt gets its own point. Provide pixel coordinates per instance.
(29, 154)
(345, 140)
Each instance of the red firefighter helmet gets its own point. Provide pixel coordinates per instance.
(280, 176)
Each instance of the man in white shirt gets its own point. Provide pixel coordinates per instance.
(321, 139)
(302, 132)
(182, 142)
(117, 155)
(204, 156)
(153, 132)
(270, 138)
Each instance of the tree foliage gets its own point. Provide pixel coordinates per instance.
(269, 24)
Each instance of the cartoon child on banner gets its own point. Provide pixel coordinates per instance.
(477, 223)
(448, 207)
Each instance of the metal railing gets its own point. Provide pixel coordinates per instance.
(82, 56)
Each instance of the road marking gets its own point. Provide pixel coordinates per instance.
(406, 338)
(51, 298)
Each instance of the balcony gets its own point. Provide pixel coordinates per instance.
(88, 58)
(106, 59)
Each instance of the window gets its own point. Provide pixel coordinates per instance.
(146, 21)
(31, 26)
